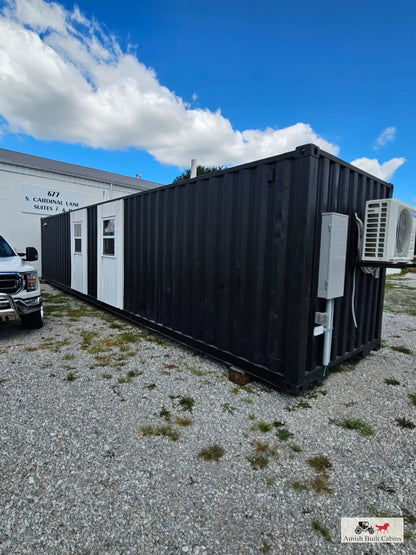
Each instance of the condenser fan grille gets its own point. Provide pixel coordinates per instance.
(376, 230)
(403, 230)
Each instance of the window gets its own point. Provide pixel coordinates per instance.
(109, 232)
(77, 238)
(5, 248)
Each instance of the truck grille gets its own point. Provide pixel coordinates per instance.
(11, 283)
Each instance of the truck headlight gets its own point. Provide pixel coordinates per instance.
(31, 281)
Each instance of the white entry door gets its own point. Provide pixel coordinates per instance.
(110, 255)
(79, 254)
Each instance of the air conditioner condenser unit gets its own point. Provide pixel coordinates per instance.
(389, 231)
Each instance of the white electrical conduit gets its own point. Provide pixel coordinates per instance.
(328, 332)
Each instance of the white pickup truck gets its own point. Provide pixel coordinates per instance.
(20, 295)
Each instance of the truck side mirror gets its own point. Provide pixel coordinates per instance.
(31, 254)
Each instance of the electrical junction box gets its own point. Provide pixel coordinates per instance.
(332, 257)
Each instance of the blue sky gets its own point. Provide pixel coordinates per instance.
(144, 86)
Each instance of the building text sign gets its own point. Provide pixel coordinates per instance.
(40, 200)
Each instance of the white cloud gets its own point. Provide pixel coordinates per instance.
(63, 78)
(382, 171)
(386, 136)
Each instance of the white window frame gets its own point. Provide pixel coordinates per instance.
(78, 237)
(108, 236)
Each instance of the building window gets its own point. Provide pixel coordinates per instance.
(109, 233)
(77, 238)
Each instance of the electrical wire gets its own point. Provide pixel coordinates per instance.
(353, 298)
(365, 269)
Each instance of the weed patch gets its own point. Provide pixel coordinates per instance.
(166, 431)
(321, 529)
(391, 381)
(129, 376)
(354, 424)
(262, 427)
(299, 405)
(184, 422)
(404, 423)
(49, 344)
(165, 414)
(213, 453)
(347, 366)
(226, 407)
(299, 486)
(238, 388)
(266, 547)
(283, 434)
(187, 403)
(383, 487)
(402, 349)
(102, 360)
(320, 482)
(258, 461)
(262, 454)
(321, 463)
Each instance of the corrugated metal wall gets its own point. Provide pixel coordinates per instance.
(228, 263)
(345, 189)
(56, 248)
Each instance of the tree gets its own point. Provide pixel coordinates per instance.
(201, 170)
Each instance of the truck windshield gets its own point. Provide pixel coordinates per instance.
(5, 248)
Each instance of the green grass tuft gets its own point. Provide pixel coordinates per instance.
(354, 424)
(402, 349)
(213, 453)
(166, 431)
(164, 413)
(321, 529)
(262, 427)
(283, 434)
(187, 403)
(262, 454)
(321, 463)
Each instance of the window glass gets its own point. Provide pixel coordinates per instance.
(5, 249)
(109, 230)
(77, 237)
(109, 227)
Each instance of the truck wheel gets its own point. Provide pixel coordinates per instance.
(34, 320)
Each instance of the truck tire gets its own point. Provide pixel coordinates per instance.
(34, 320)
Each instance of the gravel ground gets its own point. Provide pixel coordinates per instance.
(103, 424)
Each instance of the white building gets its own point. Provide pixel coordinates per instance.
(32, 187)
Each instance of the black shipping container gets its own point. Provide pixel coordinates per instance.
(228, 263)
